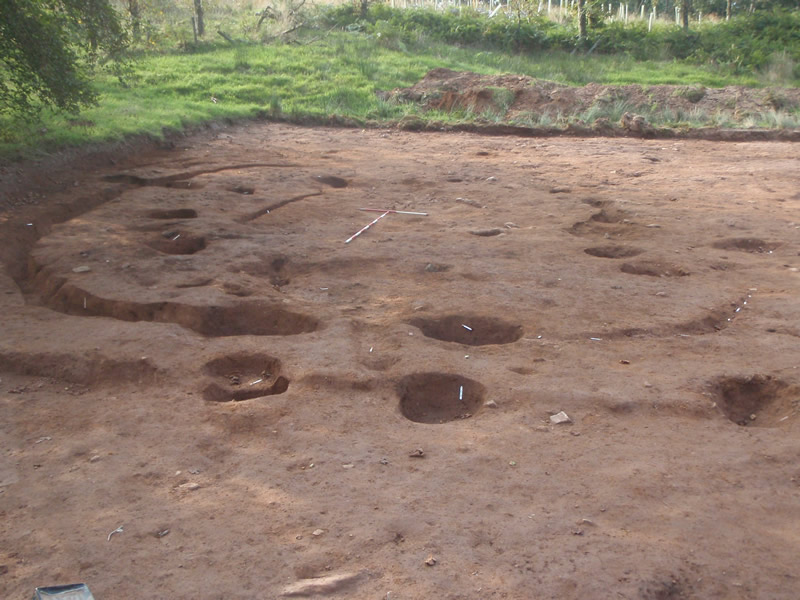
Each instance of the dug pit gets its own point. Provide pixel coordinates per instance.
(176, 242)
(244, 376)
(436, 398)
(469, 329)
(757, 400)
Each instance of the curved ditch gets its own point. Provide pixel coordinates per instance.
(436, 398)
(245, 318)
(714, 321)
(470, 330)
(753, 245)
(176, 213)
(613, 251)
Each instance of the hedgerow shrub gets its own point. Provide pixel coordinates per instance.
(744, 43)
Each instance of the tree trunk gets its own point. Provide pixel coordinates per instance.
(582, 19)
(685, 14)
(136, 17)
(728, 7)
(198, 13)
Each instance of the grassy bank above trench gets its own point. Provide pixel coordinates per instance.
(337, 76)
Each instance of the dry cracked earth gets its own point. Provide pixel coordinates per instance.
(191, 353)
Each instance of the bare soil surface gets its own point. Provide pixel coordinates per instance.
(191, 353)
(523, 101)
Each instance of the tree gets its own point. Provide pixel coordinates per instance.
(48, 49)
(199, 23)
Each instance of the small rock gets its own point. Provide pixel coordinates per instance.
(511, 225)
(384, 461)
(624, 362)
(474, 203)
(491, 178)
(81, 269)
(191, 486)
(321, 585)
(753, 417)
(348, 466)
(435, 268)
(162, 533)
(417, 453)
(490, 404)
(430, 561)
(95, 458)
(560, 418)
(647, 384)
(317, 532)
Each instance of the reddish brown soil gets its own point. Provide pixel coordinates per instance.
(194, 348)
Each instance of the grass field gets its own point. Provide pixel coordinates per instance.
(335, 76)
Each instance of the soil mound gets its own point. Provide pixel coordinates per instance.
(522, 100)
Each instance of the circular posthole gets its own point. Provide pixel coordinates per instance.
(439, 397)
(177, 213)
(757, 400)
(613, 251)
(176, 242)
(469, 329)
(244, 376)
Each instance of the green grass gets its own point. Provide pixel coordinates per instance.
(334, 77)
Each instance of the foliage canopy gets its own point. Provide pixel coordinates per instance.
(48, 49)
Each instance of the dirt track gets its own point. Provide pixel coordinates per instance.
(202, 353)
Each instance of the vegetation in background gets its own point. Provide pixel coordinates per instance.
(48, 49)
(294, 63)
(743, 43)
